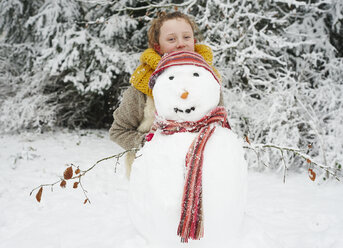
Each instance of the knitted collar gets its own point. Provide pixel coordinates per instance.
(149, 61)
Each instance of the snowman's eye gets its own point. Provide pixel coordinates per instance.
(195, 74)
(171, 77)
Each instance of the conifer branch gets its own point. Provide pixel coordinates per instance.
(155, 6)
(102, 20)
(150, 6)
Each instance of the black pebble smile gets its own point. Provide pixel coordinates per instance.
(187, 110)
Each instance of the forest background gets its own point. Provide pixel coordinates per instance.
(65, 63)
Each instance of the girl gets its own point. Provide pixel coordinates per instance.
(135, 115)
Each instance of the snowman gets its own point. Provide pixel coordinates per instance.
(188, 186)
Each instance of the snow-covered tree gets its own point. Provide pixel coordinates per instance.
(75, 71)
(66, 63)
(283, 72)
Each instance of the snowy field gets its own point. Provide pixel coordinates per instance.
(300, 213)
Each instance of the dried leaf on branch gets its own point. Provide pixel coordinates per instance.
(75, 185)
(68, 173)
(298, 152)
(311, 174)
(63, 184)
(39, 194)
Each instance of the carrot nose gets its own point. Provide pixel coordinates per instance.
(184, 95)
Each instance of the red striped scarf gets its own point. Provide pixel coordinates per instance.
(191, 220)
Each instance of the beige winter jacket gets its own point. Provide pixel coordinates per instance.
(132, 121)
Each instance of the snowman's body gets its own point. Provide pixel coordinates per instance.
(158, 175)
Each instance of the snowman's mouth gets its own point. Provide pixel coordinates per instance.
(187, 111)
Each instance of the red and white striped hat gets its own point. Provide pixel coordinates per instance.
(180, 58)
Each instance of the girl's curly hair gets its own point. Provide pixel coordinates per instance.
(156, 24)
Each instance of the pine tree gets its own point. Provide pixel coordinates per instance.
(277, 61)
(66, 63)
(76, 71)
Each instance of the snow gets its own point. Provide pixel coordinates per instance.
(299, 213)
(182, 94)
(203, 92)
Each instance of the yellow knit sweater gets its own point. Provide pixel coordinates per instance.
(149, 60)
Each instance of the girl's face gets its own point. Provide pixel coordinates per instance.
(175, 35)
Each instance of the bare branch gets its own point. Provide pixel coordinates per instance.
(284, 165)
(83, 173)
(295, 151)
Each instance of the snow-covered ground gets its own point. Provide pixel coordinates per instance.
(299, 213)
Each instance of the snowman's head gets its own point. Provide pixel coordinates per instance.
(185, 87)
